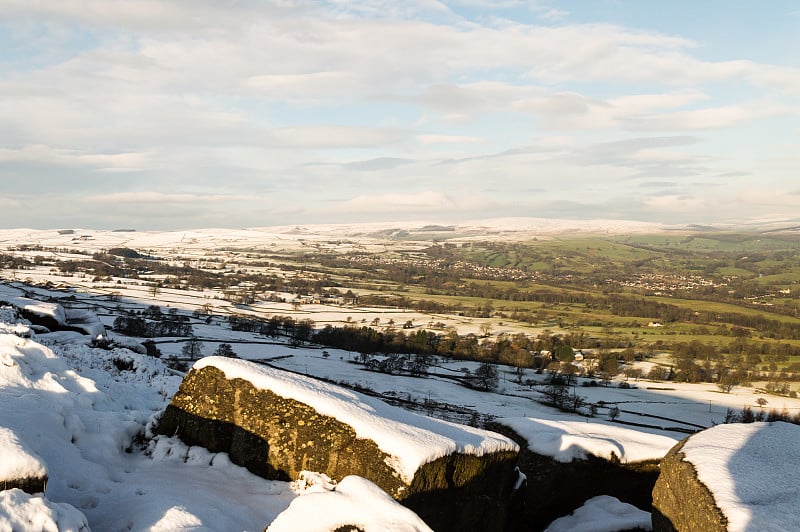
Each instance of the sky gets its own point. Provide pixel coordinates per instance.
(154, 114)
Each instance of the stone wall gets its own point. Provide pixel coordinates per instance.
(276, 438)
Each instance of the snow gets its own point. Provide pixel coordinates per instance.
(751, 470)
(38, 308)
(69, 404)
(603, 514)
(17, 460)
(325, 506)
(364, 233)
(74, 409)
(565, 440)
(22, 512)
(10, 323)
(86, 321)
(412, 439)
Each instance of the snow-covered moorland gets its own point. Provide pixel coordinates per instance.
(83, 412)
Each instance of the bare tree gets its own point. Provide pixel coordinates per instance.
(193, 348)
(225, 350)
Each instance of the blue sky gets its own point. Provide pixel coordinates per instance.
(176, 114)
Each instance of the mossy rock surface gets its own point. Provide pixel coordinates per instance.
(556, 489)
(681, 502)
(276, 438)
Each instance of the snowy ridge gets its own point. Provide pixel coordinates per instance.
(96, 239)
(565, 441)
(751, 470)
(412, 439)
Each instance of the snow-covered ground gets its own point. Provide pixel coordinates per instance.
(357, 236)
(72, 407)
(83, 411)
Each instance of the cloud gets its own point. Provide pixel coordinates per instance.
(545, 11)
(41, 155)
(427, 201)
(334, 137)
(162, 198)
(416, 201)
(380, 48)
(145, 15)
(446, 139)
(380, 163)
(658, 184)
(168, 106)
(709, 118)
(10, 203)
(307, 88)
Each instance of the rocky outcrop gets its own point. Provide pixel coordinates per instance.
(558, 488)
(681, 501)
(54, 317)
(278, 424)
(20, 467)
(738, 476)
(48, 315)
(85, 322)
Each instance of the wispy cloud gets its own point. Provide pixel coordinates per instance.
(184, 110)
(161, 198)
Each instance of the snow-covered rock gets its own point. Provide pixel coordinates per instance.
(568, 462)
(20, 466)
(736, 477)
(278, 424)
(50, 315)
(603, 514)
(567, 440)
(354, 502)
(11, 323)
(22, 512)
(85, 321)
